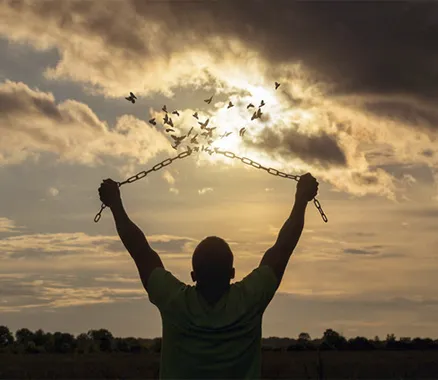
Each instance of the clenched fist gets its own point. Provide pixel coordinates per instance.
(307, 187)
(109, 193)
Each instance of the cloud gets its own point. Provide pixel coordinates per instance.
(355, 82)
(324, 37)
(356, 251)
(168, 177)
(322, 149)
(174, 190)
(8, 225)
(204, 190)
(61, 246)
(53, 191)
(55, 291)
(31, 123)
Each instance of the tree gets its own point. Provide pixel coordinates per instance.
(360, 343)
(334, 340)
(6, 337)
(304, 336)
(103, 337)
(64, 342)
(40, 338)
(23, 336)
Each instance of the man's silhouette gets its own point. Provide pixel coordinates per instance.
(213, 329)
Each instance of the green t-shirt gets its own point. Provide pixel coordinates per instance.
(204, 342)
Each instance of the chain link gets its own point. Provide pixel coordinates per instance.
(143, 174)
(189, 151)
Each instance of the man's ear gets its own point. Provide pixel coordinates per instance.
(233, 273)
(193, 276)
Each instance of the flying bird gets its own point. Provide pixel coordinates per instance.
(242, 131)
(166, 119)
(208, 101)
(188, 134)
(131, 98)
(259, 113)
(164, 108)
(209, 142)
(170, 122)
(230, 105)
(170, 130)
(254, 115)
(277, 85)
(193, 140)
(178, 139)
(210, 131)
(204, 124)
(195, 115)
(175, 147)
(262, 104)
(152, 121)
(250, 105)
(196, 149)
(226, 134)
(176, 112)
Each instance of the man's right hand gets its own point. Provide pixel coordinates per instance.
(307, 188)
(109, 193)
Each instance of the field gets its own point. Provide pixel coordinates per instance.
(284, 365)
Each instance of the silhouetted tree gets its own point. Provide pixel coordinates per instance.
(6, 337)
(304, 336)
(23, 336)
(360, 343)
(64, 342)
(333, 340)
(103, 337)
(40, 338)
(422, 344)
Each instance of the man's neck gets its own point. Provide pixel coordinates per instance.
(212, 294)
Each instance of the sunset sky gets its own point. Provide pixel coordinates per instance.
(357, 108)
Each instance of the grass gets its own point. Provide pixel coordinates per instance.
(276, 365)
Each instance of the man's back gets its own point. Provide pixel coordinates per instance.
(212, 341)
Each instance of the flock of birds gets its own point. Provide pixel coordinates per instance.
(207, 133)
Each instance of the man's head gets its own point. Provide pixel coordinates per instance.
(212, 263)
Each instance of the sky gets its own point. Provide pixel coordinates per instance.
(356, 107)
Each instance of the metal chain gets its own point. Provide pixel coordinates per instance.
(144, 173)
(187, 153)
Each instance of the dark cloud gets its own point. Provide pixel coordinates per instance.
(428, 153)
(371, 250)
(404, 110)
(379, 47)
(431, 212)
(322, 149)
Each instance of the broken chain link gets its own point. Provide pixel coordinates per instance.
(187, 153)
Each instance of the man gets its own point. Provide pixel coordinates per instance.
(213, 329)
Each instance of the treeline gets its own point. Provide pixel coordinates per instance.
(35, 342)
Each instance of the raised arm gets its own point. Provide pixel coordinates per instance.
(132, 237)
(278, 255)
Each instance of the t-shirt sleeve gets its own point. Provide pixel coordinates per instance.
(259, 287)
(163, 286)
